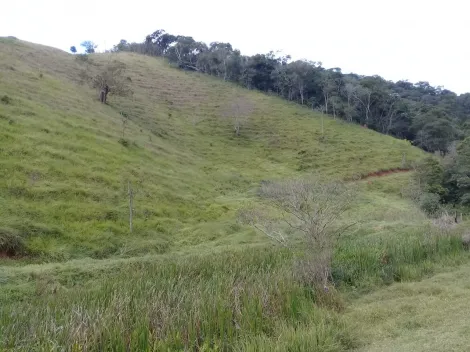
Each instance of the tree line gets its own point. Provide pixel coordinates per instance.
(442, 182)
(430, 117)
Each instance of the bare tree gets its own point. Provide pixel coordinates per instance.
(262, 221)
(311, 208)
(363, 96)
(321, 109)
(329, 88)
(335, 104)
(325, 87)
(391, 111)
(239, 112)
(349, 92)
(130, 193)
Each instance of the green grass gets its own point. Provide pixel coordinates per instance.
(175, 304)
(63, 172)
(430, 315)
(189, 277)
(237, 300)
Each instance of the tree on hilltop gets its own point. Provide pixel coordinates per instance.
(89, 46)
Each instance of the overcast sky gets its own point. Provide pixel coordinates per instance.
(400, 39)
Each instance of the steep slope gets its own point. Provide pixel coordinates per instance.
(64, 174)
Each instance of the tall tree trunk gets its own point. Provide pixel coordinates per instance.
(326, 96)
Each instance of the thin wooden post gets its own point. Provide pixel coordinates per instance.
(129, 191)
(322, 129)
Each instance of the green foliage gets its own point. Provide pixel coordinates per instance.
(430, 203)
(436, 131)
(362, 264)
(430, 176)
(124, 142)
(82, 58)
(11, 242)
(5, 99)
(459, 173)
(89, 46)
(431, 117)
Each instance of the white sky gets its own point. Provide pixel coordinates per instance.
(401, 39)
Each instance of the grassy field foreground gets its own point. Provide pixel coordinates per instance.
(190, 277)
(246, 300)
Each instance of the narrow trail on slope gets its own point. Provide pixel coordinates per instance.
(383, 173)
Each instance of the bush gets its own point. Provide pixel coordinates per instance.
(124, 142)
(312, 208)
(82, 58)
(430, 176)
(11, 243)
(112, 75)
(6, 99)
(430, 203)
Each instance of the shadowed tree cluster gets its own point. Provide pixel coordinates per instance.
(444, 181)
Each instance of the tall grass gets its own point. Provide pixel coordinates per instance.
(202, 303)
(245, 300)
(369, 263)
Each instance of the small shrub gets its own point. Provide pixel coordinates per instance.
(111, 215)
(445, 221)
(111, 75)
(466, 241)
(82, 58)
(312, 208)
(6, 99)
(11, 243)
(124, 142)
(430, 203)
(430, 174)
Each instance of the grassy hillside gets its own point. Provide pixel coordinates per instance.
(189, 277)
(64, 174)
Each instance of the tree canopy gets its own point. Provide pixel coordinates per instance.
(432, 118)
(89, 46)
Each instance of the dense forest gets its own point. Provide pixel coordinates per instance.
(431, 117)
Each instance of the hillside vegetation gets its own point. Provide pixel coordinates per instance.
(189, 277)
(64, 173)
(433, 118)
